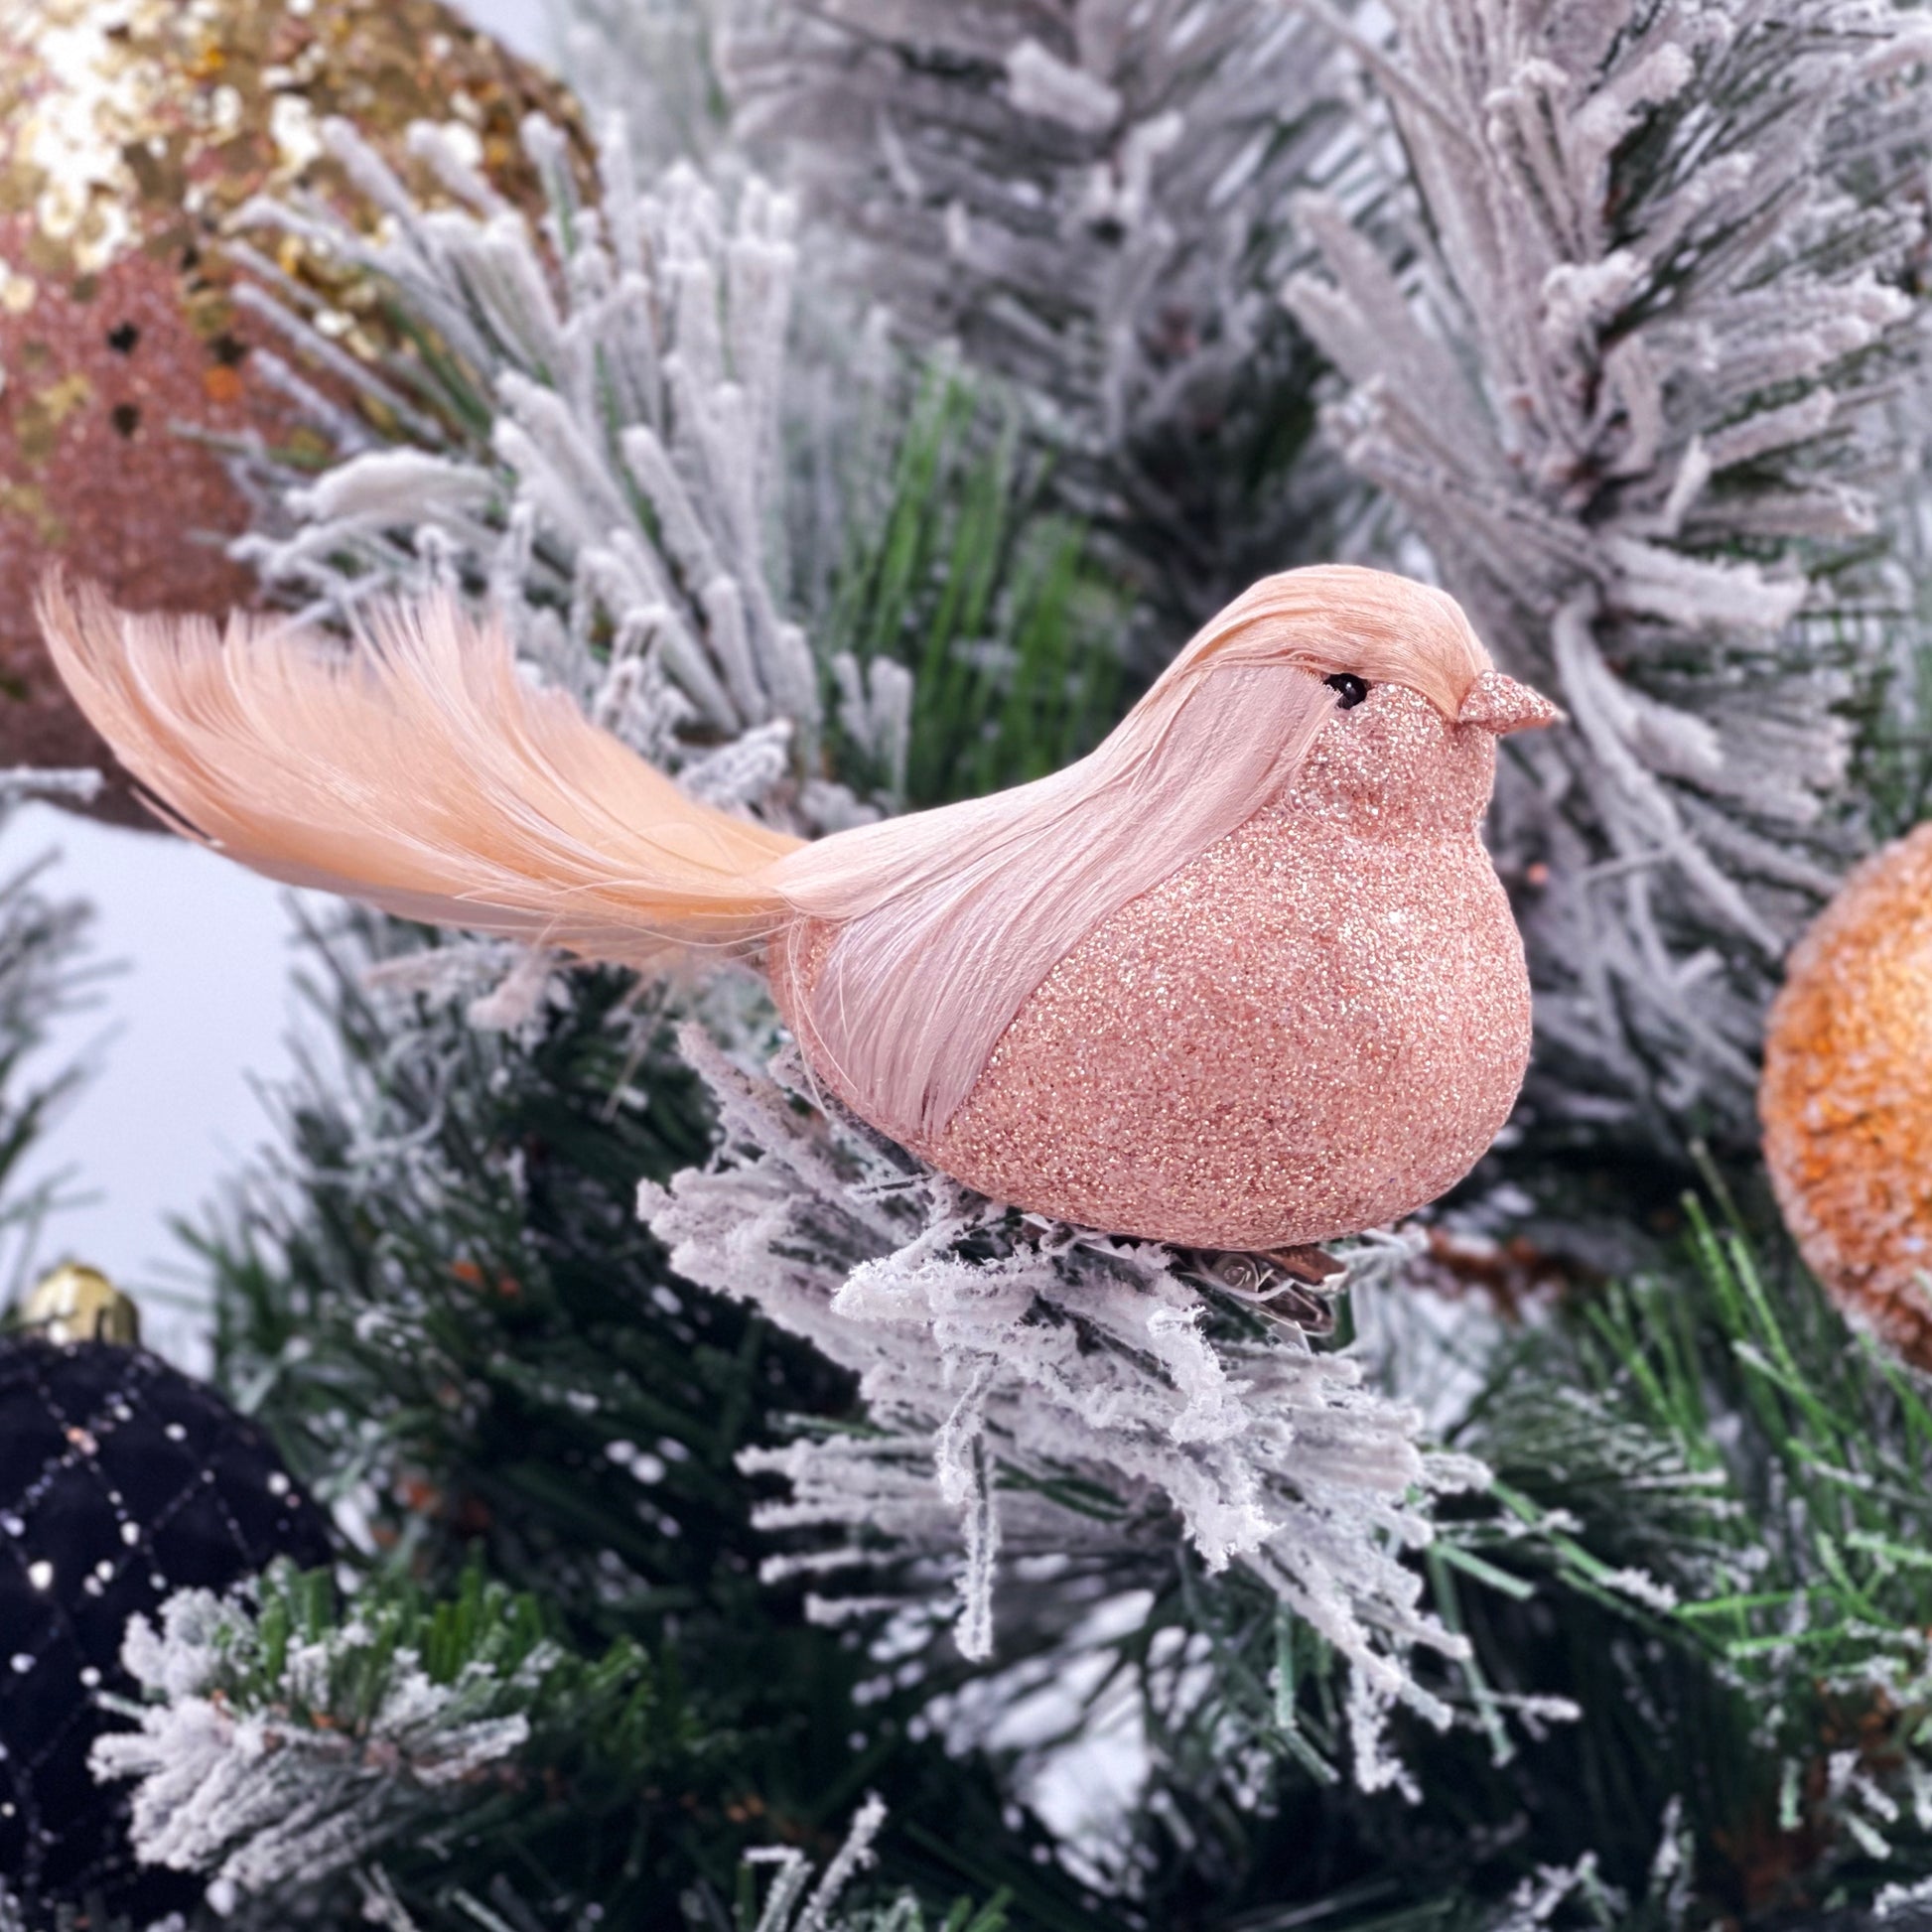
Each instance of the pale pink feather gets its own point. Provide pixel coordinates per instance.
(418, 772)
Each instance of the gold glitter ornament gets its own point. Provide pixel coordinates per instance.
(130, 131)
(1846, 1099)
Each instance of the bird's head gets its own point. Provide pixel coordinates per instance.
(1397, 701)
(1390, 763)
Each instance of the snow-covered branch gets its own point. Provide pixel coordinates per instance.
(1092, 199)
(260, 1791)
(589, 439)
(1629, 337)
(1034, 1390)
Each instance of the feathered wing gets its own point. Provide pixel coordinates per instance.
(949, 919)
(419, 772)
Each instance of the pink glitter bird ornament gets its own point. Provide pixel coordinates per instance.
(1243, 978)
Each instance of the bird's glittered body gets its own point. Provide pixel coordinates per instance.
(1241, 978)
(1314, 1027)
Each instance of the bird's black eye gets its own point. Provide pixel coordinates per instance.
(1351, 688)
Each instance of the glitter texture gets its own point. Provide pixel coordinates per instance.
(1317, 1026)
(1847, 1095)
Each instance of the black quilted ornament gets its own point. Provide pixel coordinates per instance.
(121, 1481)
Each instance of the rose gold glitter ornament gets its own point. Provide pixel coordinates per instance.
(130, 130)
(1242, 978)
(1846, 1100)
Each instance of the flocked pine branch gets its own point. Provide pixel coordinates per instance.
(1632, 362)
(781, 1890)
(1036, 1392)
(611, 485)
(283, 1741)
(1091, 197)
(1716, 1426)
(1628, 341)
(586, 431)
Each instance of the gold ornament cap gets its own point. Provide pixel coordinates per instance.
(73, 1303)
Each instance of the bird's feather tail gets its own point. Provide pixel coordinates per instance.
(418, 772)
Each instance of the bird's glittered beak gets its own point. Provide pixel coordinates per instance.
(1499, 704)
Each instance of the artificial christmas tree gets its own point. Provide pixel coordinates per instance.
(833, 447)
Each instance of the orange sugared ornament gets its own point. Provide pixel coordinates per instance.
(1846, 1099)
